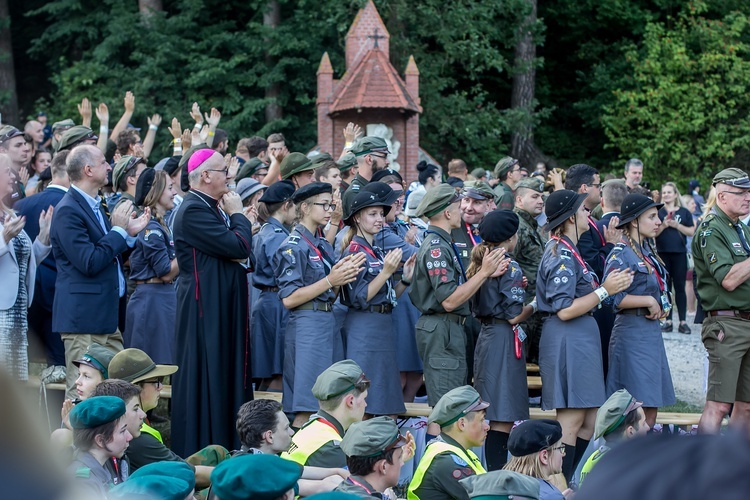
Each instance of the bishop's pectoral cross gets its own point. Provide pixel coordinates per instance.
(376, 37)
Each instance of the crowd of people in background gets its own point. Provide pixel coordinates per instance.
(324, 276)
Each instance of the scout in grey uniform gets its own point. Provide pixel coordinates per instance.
(99, 433)
(152, 308)
(375, 451)
(570, 356)
(722, 268)
(440, 290)
(499, 361)
(308, 284)
(368, 327)
(637, 358)
(269, 316)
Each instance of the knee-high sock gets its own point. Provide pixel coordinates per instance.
(581, 445)
(496, 449)
(568, 460)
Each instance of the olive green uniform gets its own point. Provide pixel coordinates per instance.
(505, 193)
(717, 246)
(465, 239)
(354, 188)
(357, 486)
(441, 340)
(441, 481)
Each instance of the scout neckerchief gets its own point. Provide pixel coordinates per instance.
(475, 239)
(661, 279)
(579, 259)
(457, 257)
(323, 257)
(355, 246)
(354, 481)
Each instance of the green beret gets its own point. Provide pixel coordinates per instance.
(75, 135)
(369, 144)
(338, 379)
(478, 173)
(98, 357)
(150, 488)
(179, 470)
(64, 124)
(347, 161)
(260, 477)
(372, 437)
(504, 165)
(533, 183)
(96, 411)
(456, 404)
(501, 484)
(249, 168)
(613, 412)
(437, 199)
(733, 177)
(479, 190)
(294, 163)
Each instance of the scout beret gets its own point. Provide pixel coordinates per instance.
(96, 411)
(123, 165)
(8, 132)
(151, 488)
(250, 167)
(560, 205)
(63, 124)
(310, 190)
(478, 190)
(456, 404)
(347, 161)
(365, 199)
(144, 185)
(478, 173)
(613, 412)
(75, 135)
(372, 437)
(733, 177)
(369, 144)
(505, 164)
(498, 226)
(380, 174)
(294, 163)
(179, 470)
(633, 206)
(98, 357)
(333, 495)
(260, 477)
(278, 192)
(533, 183)
(248, 187)
(533, 436)
(338, 379)
(437, 199)
(134, 365)
(501, 484)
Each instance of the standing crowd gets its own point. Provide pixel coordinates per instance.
(325, 277)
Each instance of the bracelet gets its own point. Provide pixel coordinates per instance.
(533, 305)
(348, 144)
(153, 127)
(602, 293)
(211, 133)
(329, 283)
(103, 130)
(177, 141)
(407, 283)
(197, 126)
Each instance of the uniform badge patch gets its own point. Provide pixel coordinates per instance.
(444, 279)
(712, 258)
(435, 253)
(459, 461)
(436, 241)
(429, 265)
(288, 252)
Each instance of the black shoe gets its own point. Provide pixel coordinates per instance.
(684, 328)
(666, 327)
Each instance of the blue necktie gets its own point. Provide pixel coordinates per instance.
(741, 233)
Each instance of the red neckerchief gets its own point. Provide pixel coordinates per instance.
(578, 258)
(360, 485)
(656, 270)
(315, 249)
(471, 233)
(329, 424)
(354, 247)
(596, 228)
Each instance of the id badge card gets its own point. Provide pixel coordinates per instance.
(666, 304)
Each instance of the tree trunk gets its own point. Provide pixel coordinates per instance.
(8, 94)
(272, 18)
(522, 98)
(148, 7)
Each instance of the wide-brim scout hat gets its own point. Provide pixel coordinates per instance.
(97, 357)
(372, 437)
(561, 205)
(633, 206)
(295, 163)
(455, 404)
(437, 199)
(366, 199)
(533, 436)
(248, 187)
(134, 365)
(732, 177)
(500, 485)
(613, 412)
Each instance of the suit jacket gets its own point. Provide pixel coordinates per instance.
(87, 289)
(46, 273)
(9, 271)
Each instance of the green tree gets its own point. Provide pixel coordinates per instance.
(686, 112)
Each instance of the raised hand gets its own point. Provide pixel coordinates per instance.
(45, 222)
(85, 111)
(233, 163)
(251, 214)
(187, 139)
(203, 135)
(24, 176)
(154, 120)
(214, 118)
(195, 114)
(175, 129)
(12, 225)
(129, 102)
(102, 114)
(611, 233)
(409, 267)
(352, 131)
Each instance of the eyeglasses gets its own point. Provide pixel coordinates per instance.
(598, 186)
(738, 193)
(560, 448)
(158, 381)
(326, 206)
(224, 170)
(378, 155)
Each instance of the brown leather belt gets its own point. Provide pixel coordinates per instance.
(268, 288)
(638, 311)
(734, 314)
(455, 318)
(493, 321)
(381, 309)
(153, 281)
(315, 305)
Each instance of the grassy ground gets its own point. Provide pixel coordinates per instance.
(682, 407)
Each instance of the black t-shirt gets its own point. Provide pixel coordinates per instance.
(671, 240)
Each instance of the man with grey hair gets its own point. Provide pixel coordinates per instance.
(633, 173)
(212, 237)
(87, 250)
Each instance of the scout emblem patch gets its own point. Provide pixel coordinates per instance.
(435, 253)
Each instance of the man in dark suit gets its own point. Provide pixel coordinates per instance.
(40, 312)
(87, 249)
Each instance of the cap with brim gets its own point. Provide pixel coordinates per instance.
(383, 191)
(250, 168)
(362, 200)
(309, 190)
(63, 124)
(8, 132)
(455, 404)
(533, 183)
(74, 136)
(295, 163)
(500, 485)
(633, 206)
(248, 187)
(732, 177)
(371, 438)
(613, 412)
(97, 357)
(134, 365)
(369, 144)
(478, 192)
(560, 206)
(123, 165)
(504, 165)
(320, 159)
(437, 199)
(337, 379)
(478, 173)
(347, 161)
(412, 202)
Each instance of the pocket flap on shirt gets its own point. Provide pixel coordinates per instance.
(444, 363)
